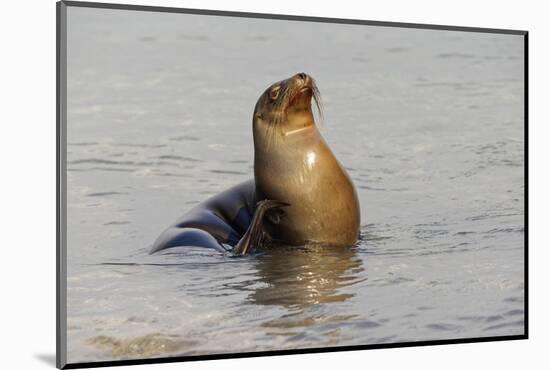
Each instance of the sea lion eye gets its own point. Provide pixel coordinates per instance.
(274, 92)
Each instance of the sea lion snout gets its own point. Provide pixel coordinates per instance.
(302, 80)
(302, 77)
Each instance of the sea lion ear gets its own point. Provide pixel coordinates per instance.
(274, 92)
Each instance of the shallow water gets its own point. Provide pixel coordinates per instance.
(428, 123)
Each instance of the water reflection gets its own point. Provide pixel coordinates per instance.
(297, 278)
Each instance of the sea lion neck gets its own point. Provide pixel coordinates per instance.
(282, 137)
(297, 123)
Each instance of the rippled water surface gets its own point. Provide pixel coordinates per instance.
(428, 123)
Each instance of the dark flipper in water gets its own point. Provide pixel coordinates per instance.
(255, 234)
(186, 236)
(232, 218)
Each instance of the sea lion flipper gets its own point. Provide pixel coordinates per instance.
(185, 236)
(255, 233)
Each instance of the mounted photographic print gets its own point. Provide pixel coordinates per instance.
(237, 184)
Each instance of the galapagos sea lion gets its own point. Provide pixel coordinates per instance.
(300, 193)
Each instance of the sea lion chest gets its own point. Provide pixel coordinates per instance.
(303, 171)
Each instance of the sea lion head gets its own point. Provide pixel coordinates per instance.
(285, 107)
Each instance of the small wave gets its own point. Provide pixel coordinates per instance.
(513, 300)
(228, 172)
(179, 158)
(471, 318)
(373, 233)
(443, 327)
(394, 281)
(172, 174)
(82, 144)
(515, 313)
(505, 325)
(487, 216)
(450, 250)
(287, 321)
(368, 324)
(428, 234)
(370, 188)
(462, 233)
(438, 84)
(116, 223)
(434, 223)
(119, 163)
(455, 55)
(106, 193)
(519, 229)
(493, 318)
(184, 138)
(138, 145)
(424, 308)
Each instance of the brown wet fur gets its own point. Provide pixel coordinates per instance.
(293, 164)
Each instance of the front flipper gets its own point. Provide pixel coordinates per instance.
(255, 233)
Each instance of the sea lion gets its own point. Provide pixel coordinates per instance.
(300, 193)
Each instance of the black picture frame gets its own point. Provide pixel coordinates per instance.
(61, 195)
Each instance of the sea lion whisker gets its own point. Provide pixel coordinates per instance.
(317, 99)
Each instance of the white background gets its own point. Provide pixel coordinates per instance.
(27, 159)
